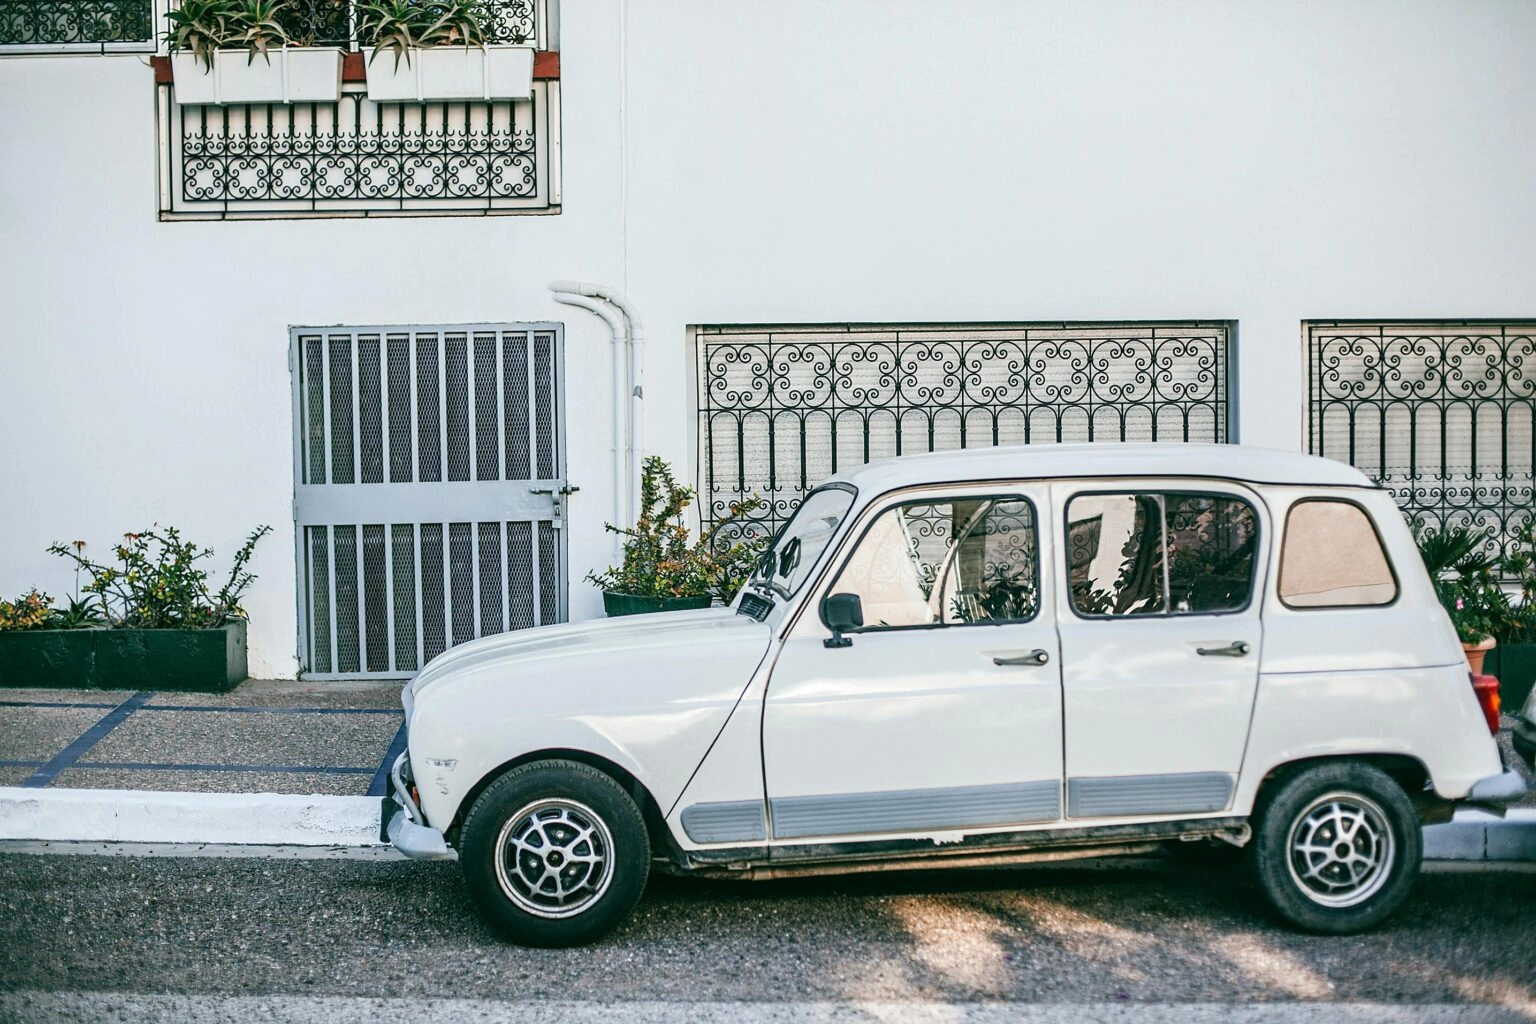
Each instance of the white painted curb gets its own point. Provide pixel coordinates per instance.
(141, 816)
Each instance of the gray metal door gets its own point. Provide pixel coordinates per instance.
(430, 489)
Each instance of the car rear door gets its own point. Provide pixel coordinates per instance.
(1161, 634)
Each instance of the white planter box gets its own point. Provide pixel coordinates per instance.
(310, 74)
(451, 73)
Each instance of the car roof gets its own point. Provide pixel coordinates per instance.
(1104, 459)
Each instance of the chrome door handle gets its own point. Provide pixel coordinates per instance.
(1234, 650)
(1034, 657)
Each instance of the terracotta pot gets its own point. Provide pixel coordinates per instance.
(1477, 652)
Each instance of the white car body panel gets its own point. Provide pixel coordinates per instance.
(651, 694)
(718, 714)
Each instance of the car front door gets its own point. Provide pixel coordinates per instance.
(1160, 635)
(944, 711)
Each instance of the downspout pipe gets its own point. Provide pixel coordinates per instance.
(634, 337)
(617, 338)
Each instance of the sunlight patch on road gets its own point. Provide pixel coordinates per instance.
(962, 944)
(1275, 968)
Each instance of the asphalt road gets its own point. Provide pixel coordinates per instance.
(1153, 933)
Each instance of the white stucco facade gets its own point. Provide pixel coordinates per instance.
(734, 163)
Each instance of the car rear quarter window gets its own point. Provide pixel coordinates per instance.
(1333, 558)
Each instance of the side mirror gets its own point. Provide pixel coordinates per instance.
(842, 613)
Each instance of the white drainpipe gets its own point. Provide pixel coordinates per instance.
(611, 301)
(615, 329)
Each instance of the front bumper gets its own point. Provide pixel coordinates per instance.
(401, 821)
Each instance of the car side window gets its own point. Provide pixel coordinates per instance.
(1332, 558)
(952, 563)
(1160, 553)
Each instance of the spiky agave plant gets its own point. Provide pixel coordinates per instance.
(201, 27)
(257, 25)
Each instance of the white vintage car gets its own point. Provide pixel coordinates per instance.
(979, 658)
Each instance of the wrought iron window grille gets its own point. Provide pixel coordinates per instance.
(77, 26)
(781, 408)
(358, 158)
(1441, 413)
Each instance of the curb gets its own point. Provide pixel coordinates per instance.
(273, 819)
(1478, 835)
(141, 816)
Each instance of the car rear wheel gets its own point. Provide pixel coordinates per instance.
(1338, 848)
(555, 853)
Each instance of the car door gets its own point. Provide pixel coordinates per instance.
(1160, 636)
(944, 711)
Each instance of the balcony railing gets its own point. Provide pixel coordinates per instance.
(77, 26)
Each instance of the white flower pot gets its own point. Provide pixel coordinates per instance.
(195, 81)
(309, 74)
(450, 73)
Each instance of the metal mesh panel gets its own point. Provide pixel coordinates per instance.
(520, 580)
(400, 470)
(341, 410)
(782, 408)
(370, 411)
(319, 562)
(475, 407)
(344, 555)
(549, 593)
(375, 599)
(492, 572)
(456, 383)
(403, 537)
(544, 402)
(434, 627)
(487, 403)
(314, 410)
(429, 441)
(462, 581)
(1442, 414)
(514, 358)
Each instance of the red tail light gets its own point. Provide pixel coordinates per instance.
(1487, 690)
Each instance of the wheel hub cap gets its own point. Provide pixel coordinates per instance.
(1341, 850)
(554, 858)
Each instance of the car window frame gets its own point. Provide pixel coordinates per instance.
(1381, 544)
(1252, 501)
(854, 542)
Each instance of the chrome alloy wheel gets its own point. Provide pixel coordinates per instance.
(554, 858)
(1341, 850)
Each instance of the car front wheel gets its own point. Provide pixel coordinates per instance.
(555, 853)
(1338, 848)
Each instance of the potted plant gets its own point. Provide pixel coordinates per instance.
(419, 50)
(1514, 660)
(1464, 581)
(664, 569)
(242, 51)
(151, 621)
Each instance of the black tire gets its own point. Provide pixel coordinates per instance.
(1337, 848)
(1205, 853)
(576, 854)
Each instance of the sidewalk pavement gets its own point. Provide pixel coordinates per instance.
(294, 763)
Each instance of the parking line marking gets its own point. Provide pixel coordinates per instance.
(53, 704)
(159, 766)
(86, 740)
(257, 710)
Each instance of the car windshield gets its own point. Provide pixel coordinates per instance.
(784, 567)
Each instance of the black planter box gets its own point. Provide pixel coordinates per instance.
(615, 604)
(203, 660)
(1515, 667)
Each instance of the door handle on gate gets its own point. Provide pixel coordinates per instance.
(1034, 657)
(1232, 650)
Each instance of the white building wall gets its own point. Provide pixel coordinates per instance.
(795, 162)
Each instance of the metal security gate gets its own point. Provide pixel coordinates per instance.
(1441, 413)
(430, 490)
(781, 408)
